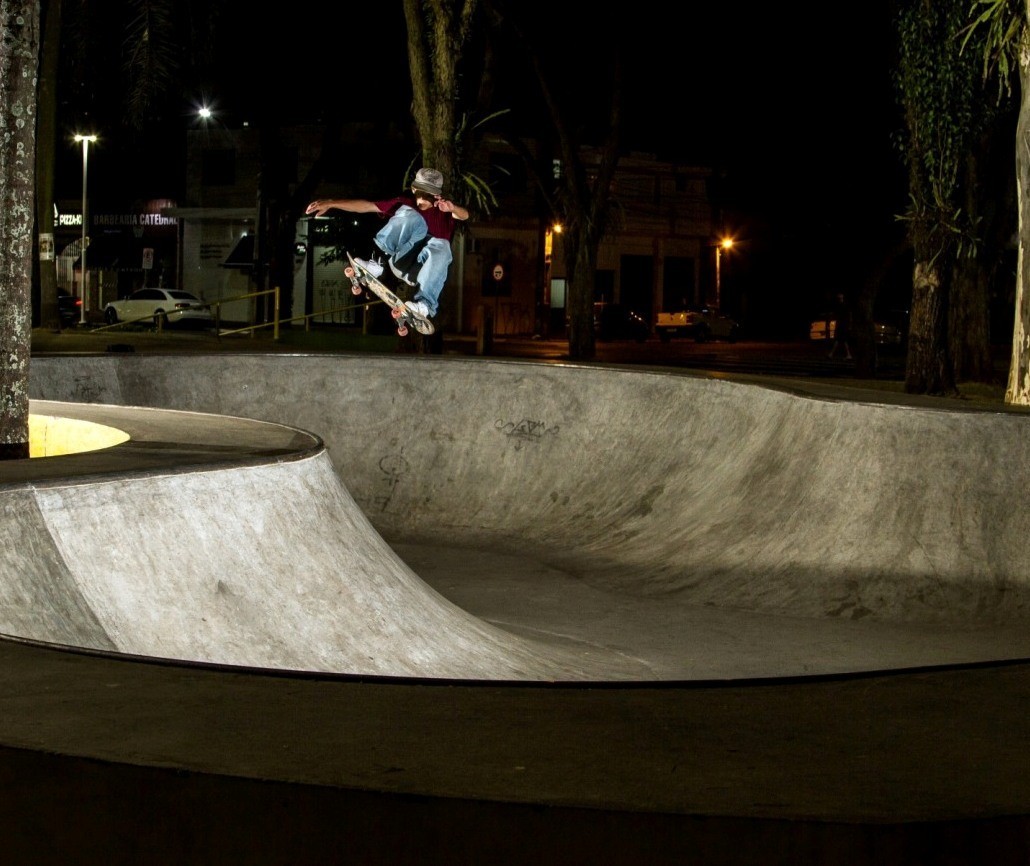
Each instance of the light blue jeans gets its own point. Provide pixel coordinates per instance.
(401, 233)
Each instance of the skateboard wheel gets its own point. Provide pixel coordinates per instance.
(348, 272)
(356, 289)
(402, 331)
(396, 313)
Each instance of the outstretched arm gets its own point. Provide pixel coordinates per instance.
(455, 210)
(352, 205)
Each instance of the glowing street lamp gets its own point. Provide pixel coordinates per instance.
(86, 141)
(724, 244)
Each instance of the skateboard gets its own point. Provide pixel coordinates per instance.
(360, 279)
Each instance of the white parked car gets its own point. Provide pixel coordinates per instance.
(170, 306)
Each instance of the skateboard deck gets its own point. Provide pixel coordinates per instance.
(360, 279)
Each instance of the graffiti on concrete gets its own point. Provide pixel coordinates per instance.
(393, 467)
(526, 431)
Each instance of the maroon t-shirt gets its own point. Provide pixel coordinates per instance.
(440, 224)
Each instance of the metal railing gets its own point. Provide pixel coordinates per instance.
(160, 319)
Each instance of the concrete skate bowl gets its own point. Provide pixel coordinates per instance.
(628, 490)
(736, 607)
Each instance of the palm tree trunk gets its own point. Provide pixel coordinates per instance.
(1018, 389)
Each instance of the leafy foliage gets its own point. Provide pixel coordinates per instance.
(1000, 26)
(151, 56)
(939, 86)
(472, 190)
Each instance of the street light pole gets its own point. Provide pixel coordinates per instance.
(544, 306)
(86, 141)
(724, 244)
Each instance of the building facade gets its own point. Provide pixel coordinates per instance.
(508, 264)
(128, 247)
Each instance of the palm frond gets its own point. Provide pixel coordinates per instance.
(150, 57)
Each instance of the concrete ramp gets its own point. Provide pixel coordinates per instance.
(657, 490)
(252, 563)
(40, 597)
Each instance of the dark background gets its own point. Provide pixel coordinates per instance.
(794, 114)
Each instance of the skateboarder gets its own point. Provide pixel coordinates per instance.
(416, 239)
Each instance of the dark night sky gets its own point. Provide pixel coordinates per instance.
(800, 119)
(758, 95)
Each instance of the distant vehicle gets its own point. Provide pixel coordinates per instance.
(69, 308)
(616, 322)
(890, 329)
(703, 324)
(822, 327)
(170, 306)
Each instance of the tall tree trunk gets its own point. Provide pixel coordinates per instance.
(19, 62)
(1018, 389)
(928, 370)
(581, 265)
(46, 142)
(968, 322)
(946, 115)
(987, 198)
(438, 33)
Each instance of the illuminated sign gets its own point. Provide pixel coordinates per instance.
(126, 219)
(134, 219)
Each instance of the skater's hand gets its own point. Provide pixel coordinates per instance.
(318, 208)
(455, 210)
